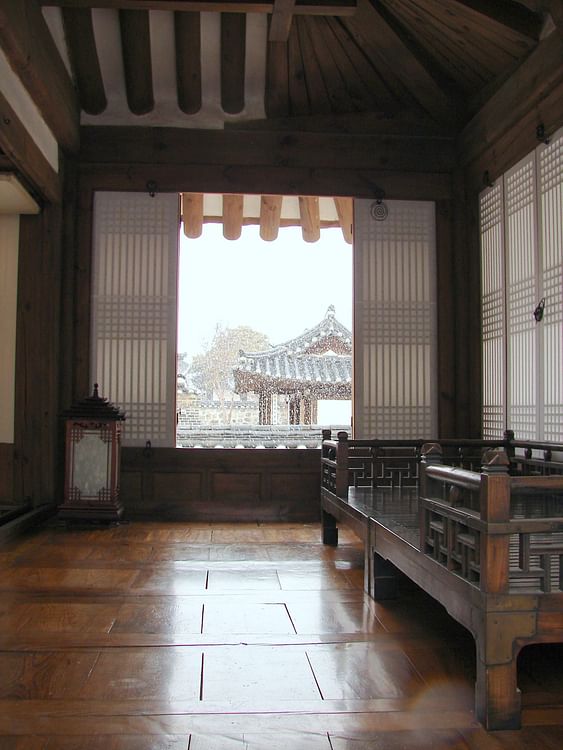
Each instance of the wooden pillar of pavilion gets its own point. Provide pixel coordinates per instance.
(265, 408)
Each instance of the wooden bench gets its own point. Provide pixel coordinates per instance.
(487, 543)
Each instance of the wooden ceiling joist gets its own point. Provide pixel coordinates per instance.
(187, 36)
(192, 214)
(81, 45)
(232, 216)
(345, 210)
(310, 218)
(270, 214)
(233, 52)
(136, 45)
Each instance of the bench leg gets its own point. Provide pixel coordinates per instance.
(497, 697)
(385, 581)
(330, 529)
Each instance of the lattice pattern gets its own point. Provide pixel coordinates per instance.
(536, 562)
(395, 321)
(492, 312)
(453, 544)
(134, 310)
(551, 220)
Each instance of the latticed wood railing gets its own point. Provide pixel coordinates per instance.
(500, 532)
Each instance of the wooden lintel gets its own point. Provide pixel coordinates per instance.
(302, 8)
(192, 214)
(25, 156)
(270, 213)
(281, 20)
(32, 53)
(310, 218)
(232, 216)
(130, 145)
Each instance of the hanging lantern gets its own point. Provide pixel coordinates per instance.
(93, 454)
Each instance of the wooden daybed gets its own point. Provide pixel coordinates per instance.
(476, 524)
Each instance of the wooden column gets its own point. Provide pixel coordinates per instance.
(265, 408)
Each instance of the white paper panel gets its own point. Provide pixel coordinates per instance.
(395, 321)
(134, 311)
(492, 311)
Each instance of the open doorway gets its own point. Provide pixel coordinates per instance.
(264, 333)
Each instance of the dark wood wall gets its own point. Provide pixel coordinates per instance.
(54, 273)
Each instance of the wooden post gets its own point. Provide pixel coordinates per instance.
(497, 698)
(431, 455)
(342, 451)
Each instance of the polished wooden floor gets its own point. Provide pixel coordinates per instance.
(210, 636)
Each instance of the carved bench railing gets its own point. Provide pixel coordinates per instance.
(388, 463)
(501, 532)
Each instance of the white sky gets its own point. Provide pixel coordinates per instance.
(279, 288)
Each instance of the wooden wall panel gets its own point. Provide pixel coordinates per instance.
(6, 473)
(221, 484)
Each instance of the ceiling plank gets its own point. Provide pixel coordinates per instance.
(270, 214)
(298, 95)
(302, 8)
(232, 216)
(192, 214)
(32, 53)
(79, 33)
(136, 46)
(425, 89)
(281, 20)
(519, 19)
(338, 89)
(233, 54)
(25, 156)
(316, 87)
(310, 218)
(345, 211)
(276, 99)
(187, 34)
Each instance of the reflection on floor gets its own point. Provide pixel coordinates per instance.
(207, 636)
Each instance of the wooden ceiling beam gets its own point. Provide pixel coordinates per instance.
(233, 53)
(81, 44)
(192, 214)
(232, 216)
(137, 65)
(32, 53)
(187, 34)
(25, 157)
(310, 218)
(270, 214)
(302, 7)
(519, 19)
(345, 211)
(526, 88)
(281, 20)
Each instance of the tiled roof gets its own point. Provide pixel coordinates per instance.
(302, 360)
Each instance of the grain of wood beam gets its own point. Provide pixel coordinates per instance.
(192, 214)
(233, 51)
(318, 93)
(232, 216)
(310, 218)
(187, 33)
(345, 211)
(29, 47)
(136, 44)
(270, 213)
(281, 20)
(79, 33)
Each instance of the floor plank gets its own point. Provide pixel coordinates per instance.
(175, 636)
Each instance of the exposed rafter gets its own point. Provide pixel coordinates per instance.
(232, 216)
(136, 44)
(79, 33)
(310, 218)
(187, 37)
(517, 18)
(270, 215)
(281, 20)
(233, 49)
